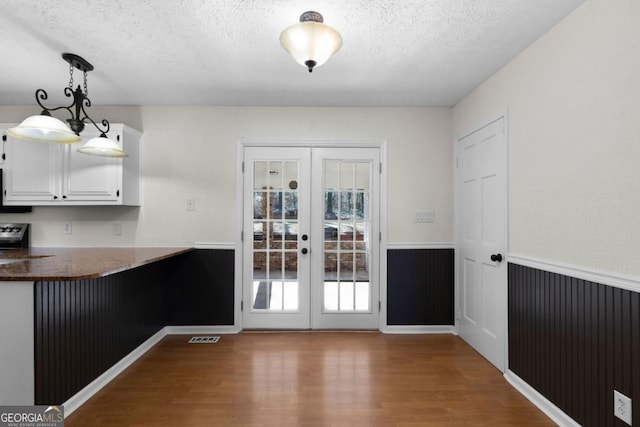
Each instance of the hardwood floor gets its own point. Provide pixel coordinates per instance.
(310, 379)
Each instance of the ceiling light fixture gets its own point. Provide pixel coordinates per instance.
(311, 42)
(45, 128)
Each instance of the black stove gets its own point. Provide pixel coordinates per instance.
(14, 236)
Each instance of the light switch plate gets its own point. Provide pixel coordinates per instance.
(424, 216)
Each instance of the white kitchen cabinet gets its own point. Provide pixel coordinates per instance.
(3, 133)
(56, 174)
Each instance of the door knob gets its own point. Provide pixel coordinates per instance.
(496, 257)
(304, 251)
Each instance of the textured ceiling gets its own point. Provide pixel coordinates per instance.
(227, 52)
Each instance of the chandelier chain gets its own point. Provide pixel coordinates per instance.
(70, 76)
(86, 89)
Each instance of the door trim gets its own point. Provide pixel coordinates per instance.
(456, 217)
(243, 142)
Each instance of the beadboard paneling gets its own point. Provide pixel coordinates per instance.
(84, 327)
(202, 292)
(420, 287)
(575, 341)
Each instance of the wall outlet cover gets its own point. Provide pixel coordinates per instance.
(622, 406)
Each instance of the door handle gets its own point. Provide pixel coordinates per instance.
(304, 251)
(496, 257)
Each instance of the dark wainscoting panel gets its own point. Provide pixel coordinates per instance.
(420, 287)
(575, 341)
(84, 327)
(202, 292)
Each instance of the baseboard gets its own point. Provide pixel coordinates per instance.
(75, 401)
(541, 402)
(186, 330)
(418, 329)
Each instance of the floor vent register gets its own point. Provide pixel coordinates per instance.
(204, 340)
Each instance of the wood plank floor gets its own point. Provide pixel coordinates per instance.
(310, 379)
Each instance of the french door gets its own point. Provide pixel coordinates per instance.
(310, 246)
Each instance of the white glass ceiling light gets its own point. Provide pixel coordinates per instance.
(311, 42)
(102, 146)
(45, 128)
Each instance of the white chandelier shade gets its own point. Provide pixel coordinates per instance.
(311, 42)
(43, 128)
(102, 146)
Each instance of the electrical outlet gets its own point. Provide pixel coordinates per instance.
(116, 229)
(66, 228)
(191, 204)
(622, 407)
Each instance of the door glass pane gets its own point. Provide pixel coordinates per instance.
(347, 177)
(331, 296)
(346, 205)
(331, 204)
(258, 204)
(345, 268)
(346, 302)
(363, 176)
(290, 175)
(275, 173)
(258, 235)
(275, 202)
(260, 175)
(291, 205)
(332, 174)
(275, 236)
(347, 221)
(290, 296)
(362, 206)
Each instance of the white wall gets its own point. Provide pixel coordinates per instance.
(190, 152)
(573, 99)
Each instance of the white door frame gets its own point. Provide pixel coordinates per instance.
(311, 143)
(456, 232)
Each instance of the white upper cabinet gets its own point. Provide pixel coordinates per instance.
(56, 174)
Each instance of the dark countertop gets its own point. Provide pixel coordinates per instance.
(48, 264)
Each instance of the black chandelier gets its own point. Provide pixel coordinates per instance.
(46, 128)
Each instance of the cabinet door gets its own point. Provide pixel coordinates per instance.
(31, 172)
(90, 178)
(3, 132)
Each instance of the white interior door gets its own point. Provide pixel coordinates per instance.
(482, 240)
(311, 247)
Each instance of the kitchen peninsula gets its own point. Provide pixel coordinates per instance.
(69, 314)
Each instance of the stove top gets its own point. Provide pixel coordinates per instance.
(14, 235)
